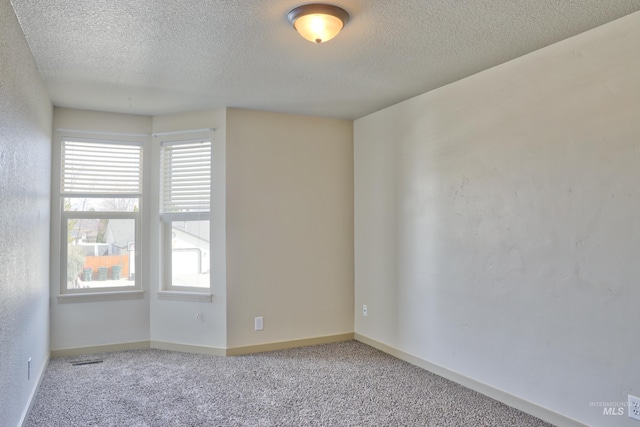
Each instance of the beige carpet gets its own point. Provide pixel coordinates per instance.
(343, 384)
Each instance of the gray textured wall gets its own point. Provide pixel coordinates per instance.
(497, 228)
(25, 164)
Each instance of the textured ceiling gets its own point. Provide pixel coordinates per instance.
(167, 56)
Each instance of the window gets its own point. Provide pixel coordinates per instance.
(185, 188)
(100, 191)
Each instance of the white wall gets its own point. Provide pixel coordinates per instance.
(282, 224)
(289, 227)
(25, 158)
(90, 324)
(192, 323)
(497, 224)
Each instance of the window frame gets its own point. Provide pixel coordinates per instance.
(167, 288)
(68, 294)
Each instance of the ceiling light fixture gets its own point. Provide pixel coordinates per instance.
(318, 23)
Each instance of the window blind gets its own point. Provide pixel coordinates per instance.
(185, 177)
(101, 168)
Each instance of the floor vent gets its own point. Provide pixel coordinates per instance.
(86, 362)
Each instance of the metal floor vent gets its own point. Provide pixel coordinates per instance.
(87, 362)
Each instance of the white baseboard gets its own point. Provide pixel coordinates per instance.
(109, 348)
(485, 389)
(187, 348)
(32, 395)
(284, 345)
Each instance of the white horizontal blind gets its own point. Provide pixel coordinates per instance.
(99, 168)
(186, 177)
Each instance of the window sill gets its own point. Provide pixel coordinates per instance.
(100, 296)
(185, 296)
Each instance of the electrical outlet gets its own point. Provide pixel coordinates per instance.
(365, 310)
(634, 407)
(259, 323)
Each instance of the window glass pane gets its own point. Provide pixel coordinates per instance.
(100, 252)
(190, 254)
(89, 204)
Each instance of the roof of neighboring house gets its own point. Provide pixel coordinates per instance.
(120, 232)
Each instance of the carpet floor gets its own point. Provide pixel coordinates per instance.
(342, 384)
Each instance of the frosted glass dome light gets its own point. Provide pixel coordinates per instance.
(318, 23)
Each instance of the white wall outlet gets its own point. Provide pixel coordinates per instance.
(29, 369)
(259, 322)
(634, 407)
(365, 310)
